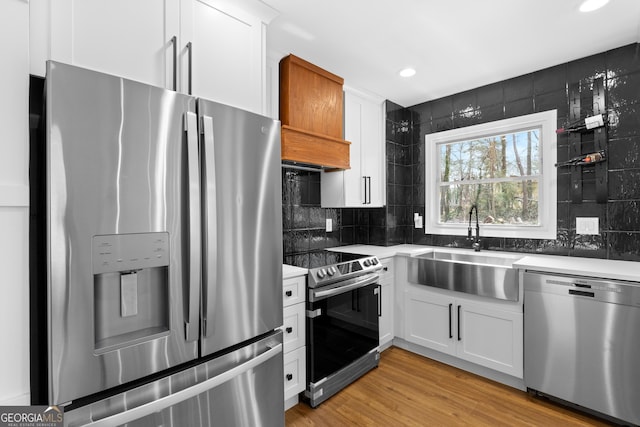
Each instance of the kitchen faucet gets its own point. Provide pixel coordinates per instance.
(476, 241)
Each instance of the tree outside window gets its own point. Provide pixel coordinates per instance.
(499, 174)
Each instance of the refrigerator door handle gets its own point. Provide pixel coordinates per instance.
(195, 255)
(210, 228)
(182, 395)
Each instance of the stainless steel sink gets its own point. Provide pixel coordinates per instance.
(487, 275)
(474, 258)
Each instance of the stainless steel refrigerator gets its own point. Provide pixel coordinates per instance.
(163, 257)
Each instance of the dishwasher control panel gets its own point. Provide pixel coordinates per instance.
(613, 291)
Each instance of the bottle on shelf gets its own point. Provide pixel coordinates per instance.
(584, 125)
(585, 159)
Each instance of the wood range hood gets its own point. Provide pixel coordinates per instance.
(311, 112)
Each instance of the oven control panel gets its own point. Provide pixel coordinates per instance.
(322, 276)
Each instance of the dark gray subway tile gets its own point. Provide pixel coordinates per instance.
(518, 88)
(490, 95)
(550, 79)
(623, 60)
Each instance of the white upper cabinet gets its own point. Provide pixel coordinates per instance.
(364, 184)
(213, 49)
(14, 202)
(14, 104)
(226, 52)
(120, 37)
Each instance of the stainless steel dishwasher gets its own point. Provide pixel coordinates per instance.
(582, 342)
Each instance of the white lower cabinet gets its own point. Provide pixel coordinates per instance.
(294, 349)
(429, 320)
(294, 375)
(293, 323)
(386, 303)
(482, 331)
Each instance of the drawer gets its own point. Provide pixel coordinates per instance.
(293, 290)
(295, 373)
(293, 318)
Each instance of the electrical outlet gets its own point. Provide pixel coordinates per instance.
(417, 220)
(329, 225)
(587, 225)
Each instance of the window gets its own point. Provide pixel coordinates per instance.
(506, 168)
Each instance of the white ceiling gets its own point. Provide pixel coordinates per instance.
(454, 45)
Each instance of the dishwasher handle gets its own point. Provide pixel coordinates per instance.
(582, 293)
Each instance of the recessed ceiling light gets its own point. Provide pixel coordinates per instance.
(591, 5)
(407, 72)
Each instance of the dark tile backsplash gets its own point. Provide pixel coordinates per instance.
(304, 234)
(303, 222)
(542, 90)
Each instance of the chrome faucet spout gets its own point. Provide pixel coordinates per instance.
(476, 241)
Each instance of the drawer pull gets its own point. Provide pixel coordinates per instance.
(288, 293)
(289, 329)
(289, 377)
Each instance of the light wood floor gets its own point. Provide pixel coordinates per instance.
(409, 390)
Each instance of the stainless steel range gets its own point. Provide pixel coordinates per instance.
(343, 307)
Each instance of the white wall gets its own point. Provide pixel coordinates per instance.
(14, 202)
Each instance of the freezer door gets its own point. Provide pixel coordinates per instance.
(242, 213)
(241, 388)
(123, 218)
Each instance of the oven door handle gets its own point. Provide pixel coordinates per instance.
(317, 295)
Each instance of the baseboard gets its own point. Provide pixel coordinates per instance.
(19, 400)
(291, 402)
(491, 374)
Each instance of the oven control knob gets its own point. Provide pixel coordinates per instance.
(331, 271)
(374, 261)
(367, 263)
(321, 273)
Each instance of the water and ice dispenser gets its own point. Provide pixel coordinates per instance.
(131, 289)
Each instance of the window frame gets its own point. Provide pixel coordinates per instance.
(546, 121)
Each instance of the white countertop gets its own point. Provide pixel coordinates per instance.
(289, 271)
(587, 267)
(382, 251)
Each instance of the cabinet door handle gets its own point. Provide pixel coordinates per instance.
(174, 43)
(369, 178)
(379, 300)
(289, 377)
(288, 293)
(459, 336)
(190, 52)
(364, 178)
(450, 321)
(289, 329)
